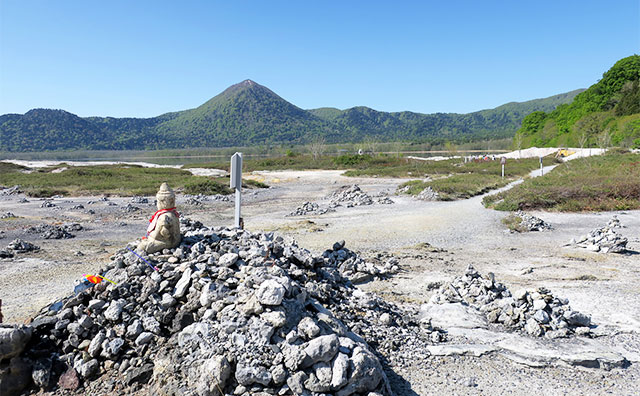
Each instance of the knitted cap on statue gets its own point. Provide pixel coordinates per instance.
(164, 227)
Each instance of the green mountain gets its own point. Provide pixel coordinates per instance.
(607, 113)
(250, 114)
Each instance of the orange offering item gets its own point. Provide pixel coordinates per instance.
(93, 279)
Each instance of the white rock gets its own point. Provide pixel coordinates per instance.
(270, 293)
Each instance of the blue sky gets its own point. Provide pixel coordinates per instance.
(123, 58)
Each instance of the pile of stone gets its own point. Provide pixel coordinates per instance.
(349, 196)
(20, 246)
(23, 200)
(48, 231)
(310, 208)
(355, 268)
(614, 222)
(228, 312)
(384, 201)
(10, 190)
(535, 312)
(428, 194)
(130, 208)
(532, 223)
(77, 207)
(193, 201)
(47, 204)
(7, 215)
(139, 200)
(199, 199)
(220, 198)
(604, 239)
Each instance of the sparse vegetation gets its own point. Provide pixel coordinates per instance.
(514, 223)
(608, 182)
(459, 186)
(112, 179)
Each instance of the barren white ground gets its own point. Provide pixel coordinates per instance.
(467, 232)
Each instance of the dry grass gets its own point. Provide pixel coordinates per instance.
(602, 183)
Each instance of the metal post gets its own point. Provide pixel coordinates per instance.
(503, 171)
(236, 183)
(541, 170)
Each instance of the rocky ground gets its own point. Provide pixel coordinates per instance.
(430, 243)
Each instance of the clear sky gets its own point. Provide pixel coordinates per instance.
(139, 58)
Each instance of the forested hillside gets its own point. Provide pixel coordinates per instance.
(248, 114)
(607, 113)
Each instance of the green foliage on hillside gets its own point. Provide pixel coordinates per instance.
(248, 114)
(598, 116)
(607, 182)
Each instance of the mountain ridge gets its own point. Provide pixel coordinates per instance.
(248, 113)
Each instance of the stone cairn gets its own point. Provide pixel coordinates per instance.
(357, 269)
(228, 312)
(48, 231)
(532, 223)
(428, 194)
(535, 312)
(604, 239)
(199, 199)
(346, 196)
(20, 246)
(310, 208)
(15, 190)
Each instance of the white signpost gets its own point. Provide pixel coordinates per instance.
(236, 183)
(541, 170)
(502, 162)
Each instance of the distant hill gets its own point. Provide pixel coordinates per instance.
(250, 114)
(607, 113)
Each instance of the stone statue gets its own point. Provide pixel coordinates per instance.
(164, 227)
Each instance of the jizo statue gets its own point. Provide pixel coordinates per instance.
(164, 227)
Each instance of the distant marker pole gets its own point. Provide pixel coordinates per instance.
(140, 257)
(541, 170)
(502, 162)
(236, 183)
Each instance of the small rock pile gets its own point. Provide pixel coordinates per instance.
(130, 208)
(535, 312)
(310, 208)
(139, 200)
(604, 239)
(199, 199)
(349, 196)
(532, 223)
(229, 312)
(47, 204)
(10, 190)
(7, 215)
(428, 194)
(385, 201)
(48, 231)
(355, 268)
(20, 246)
